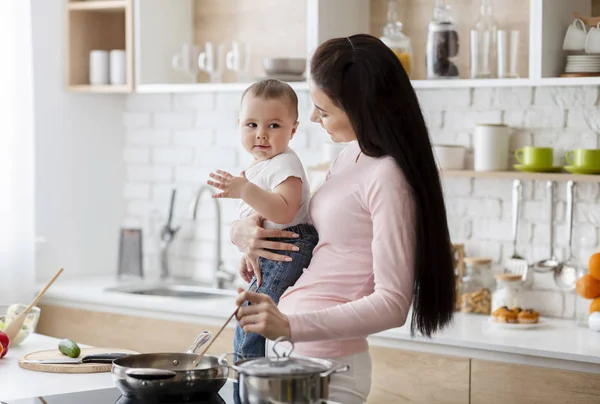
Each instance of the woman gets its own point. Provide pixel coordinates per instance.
(383, 236)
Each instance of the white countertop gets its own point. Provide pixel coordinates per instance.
(555, 343)
(17, 383)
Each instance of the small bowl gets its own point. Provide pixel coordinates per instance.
(29, 325)
(450, 157)
(283, 66)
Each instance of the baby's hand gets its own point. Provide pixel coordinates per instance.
(231, 186)
(249, 267)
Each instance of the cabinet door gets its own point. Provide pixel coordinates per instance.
(500, 383)
(414, 377)
(140, 334)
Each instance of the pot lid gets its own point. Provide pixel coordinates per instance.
(283, 364)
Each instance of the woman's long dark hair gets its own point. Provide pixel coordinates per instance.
(364, 77)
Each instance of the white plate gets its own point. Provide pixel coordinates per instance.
(515, 326)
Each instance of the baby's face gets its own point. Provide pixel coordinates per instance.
(266, 126)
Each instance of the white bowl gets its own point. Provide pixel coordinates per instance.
(450, 157)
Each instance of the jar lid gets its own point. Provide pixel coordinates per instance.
(477, 260)
(509, 277)
(282, 364)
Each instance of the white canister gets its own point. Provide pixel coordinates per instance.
(99, 67)
(449, 157)
(491, 147)
(118, 67)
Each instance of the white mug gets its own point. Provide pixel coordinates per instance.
(592, 40)
(118, 67)
(238, 59)
(212, 61)
(449, 157)
(99, 67)
(491, 147)
(575, 37)
(186, 60)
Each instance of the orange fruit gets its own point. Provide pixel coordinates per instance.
(595, 306)
(588, 287)
(594, 265)
(1, 350)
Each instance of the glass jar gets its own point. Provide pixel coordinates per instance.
(442, 44)
(395, 39)
(483, 42)
(477, 286)
(508, 291)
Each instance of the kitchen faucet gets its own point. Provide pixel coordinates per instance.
(167, 234)
(221, 276)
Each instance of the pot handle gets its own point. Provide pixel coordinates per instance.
(338, 368)
(200, 340)
(223, 362)
(150, 374)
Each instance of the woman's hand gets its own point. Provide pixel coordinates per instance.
(262, 316)
(248, 235)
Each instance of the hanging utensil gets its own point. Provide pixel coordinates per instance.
(552, 263)
(516, 264)
(13, 328)
(565, 276)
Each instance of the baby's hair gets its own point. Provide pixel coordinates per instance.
(271, 89)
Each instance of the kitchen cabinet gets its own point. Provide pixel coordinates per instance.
(140, 334)
(154, 32)
(499, 383)
(97, 25)
(415, 377)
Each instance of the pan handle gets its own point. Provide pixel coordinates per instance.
(150, 374)
(223, 360)
(200, 340)
(338, 368)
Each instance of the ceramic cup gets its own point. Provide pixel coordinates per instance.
(575, 37)
(592, 41)
(588, 158)
(450, 157)
(535, 156)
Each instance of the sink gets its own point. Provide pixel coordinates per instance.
(174, 290)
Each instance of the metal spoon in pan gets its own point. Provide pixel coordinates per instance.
(552, 263)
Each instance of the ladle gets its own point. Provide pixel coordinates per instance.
(552, 263)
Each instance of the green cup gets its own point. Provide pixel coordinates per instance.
(541, 157)
(586, 158)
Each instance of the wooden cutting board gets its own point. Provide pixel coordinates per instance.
(69, 368)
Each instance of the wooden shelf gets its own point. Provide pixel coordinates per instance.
(498, 175)
(100, 5)
(86, 88)
(97, 25)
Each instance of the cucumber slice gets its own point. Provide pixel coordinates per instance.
(69, 348)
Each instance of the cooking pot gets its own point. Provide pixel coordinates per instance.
(169, 376)
(284, 379)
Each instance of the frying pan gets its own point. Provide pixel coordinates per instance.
(156, 377)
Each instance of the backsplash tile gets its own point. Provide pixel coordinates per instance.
(176, 140)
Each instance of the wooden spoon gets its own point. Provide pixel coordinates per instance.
(13, 328)
(201, 354)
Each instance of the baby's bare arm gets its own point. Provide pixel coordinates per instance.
(279, 206)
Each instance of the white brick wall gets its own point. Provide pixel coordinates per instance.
(176, 140)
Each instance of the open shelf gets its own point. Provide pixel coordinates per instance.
(98, 25)
(100, 89)
(100, 5)
(497, 175)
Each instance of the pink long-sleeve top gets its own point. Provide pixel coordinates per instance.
(360, 279)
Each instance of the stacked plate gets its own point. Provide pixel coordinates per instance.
(583, 64)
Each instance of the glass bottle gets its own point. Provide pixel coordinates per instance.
(477, 286)
(395, 39)
(509, 291)
(442, 43)
(483, 42)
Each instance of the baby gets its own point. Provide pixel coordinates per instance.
(275, 187)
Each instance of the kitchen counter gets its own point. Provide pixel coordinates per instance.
(16, 382)
(556, 343)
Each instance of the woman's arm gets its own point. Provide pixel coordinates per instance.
(393, 212)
